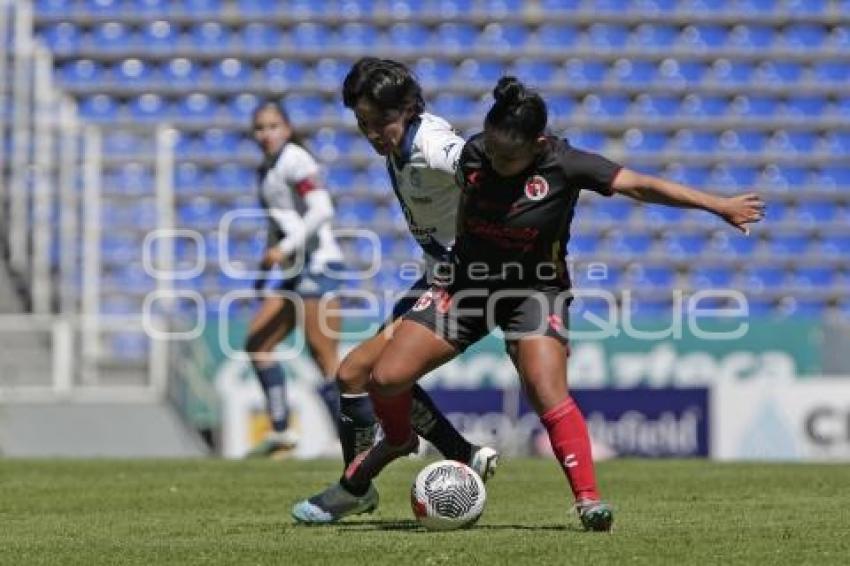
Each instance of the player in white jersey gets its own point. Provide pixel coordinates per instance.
(299, 211)
(422, 152)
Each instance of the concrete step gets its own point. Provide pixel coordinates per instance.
(90, 430)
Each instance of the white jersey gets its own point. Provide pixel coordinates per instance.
(423, 179)
(300, 211)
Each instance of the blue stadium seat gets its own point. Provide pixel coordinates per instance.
(714, 277)
(605, 105)
(702, 36)
(102, 7)
(728, 243)
(806, 106)
(754, 105)
(434, 73)
(793, 142)
(760, 307)
(548, 6)
(630, 244)
(189, 178)
(181, 72)
(762, 6)
(783, 178)
(341, 179)
(839, 39)
(835, 245)
(607, 36)
(806, 6)
(838, 142)
(650, 307)
(649, 105)
(654, 36)
(150, 8)
(99, 108)
(816, 212)
(742, 141)
(80, 72)
(62, 38)
(149, 107)
(732, 178)
(804, 307)
(634, 72)
(500, 8)
(280, 74)
(356, 36)
(135, 73)
(725, 71)
(644, 141)
(586, 140)
(330, 143)
(231, 73)
(765, 278)
(356, 8)
(502, 37)
(779, 72)
(330, 73)
(703, 106)
(134, 178)
(776, 212)
(203, 8)
(691, 141)
(304, 107)
(614, 211)
(790, 244)
(685, 245)
(583, 244)
(265, 7)
(55, 8)
(560, 107)
(447, 8)
(449, 36)
(233, 178)
(831, 71)
(210, 37)
(479, 71)
(111, 37)
(241, 107)
(663, 215)
(219, 142)
(649, 276)
(199, 213)
(581, 72)
(535, 72)
(311, 36)
(120, 143)
(752, 36)
(411, 37)
(804, 36)
(814, 277)
(258, 37)
(159, 36)
(196, 107)
(833, 177)
(681, 72)
(358, 213)
(453, 106)
(557, 36)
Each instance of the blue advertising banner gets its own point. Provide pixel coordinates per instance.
(642, 422)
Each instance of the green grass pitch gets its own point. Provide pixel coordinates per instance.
(217, 512)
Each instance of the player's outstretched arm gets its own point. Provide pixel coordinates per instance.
(738, 210)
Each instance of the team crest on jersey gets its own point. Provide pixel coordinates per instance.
(423, 302)
(536, 188)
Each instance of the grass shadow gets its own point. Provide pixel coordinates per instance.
(411, 525)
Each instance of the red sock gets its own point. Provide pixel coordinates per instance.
(571, 443)
(394, 415)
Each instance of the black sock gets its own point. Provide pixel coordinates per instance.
(329, 392)
(355, 490)
(433, 426)
(356, 425)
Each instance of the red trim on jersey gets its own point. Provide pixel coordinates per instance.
(305, 186)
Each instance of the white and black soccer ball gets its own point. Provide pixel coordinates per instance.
(447, 495)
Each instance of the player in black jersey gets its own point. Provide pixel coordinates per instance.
(520, 188)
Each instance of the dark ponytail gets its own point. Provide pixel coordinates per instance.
(518, 112)
(387, 84)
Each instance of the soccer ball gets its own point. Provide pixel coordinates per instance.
(447, 495)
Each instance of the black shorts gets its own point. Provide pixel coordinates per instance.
(406, 301)
(463, 317)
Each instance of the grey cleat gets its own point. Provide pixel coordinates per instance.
(334, 503)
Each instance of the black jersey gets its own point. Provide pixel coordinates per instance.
(518, 227)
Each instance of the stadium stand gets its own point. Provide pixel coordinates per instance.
(723, 95)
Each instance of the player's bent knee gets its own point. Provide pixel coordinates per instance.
(353, 374)
(389, 378)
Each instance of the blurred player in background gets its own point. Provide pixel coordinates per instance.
(520, 187)
(300, 212)
(422, 152)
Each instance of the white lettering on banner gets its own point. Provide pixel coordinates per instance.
(633, 432)
(805, 419)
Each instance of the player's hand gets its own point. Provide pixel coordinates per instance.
(741, 210)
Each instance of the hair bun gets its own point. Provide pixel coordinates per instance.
(509, 91)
